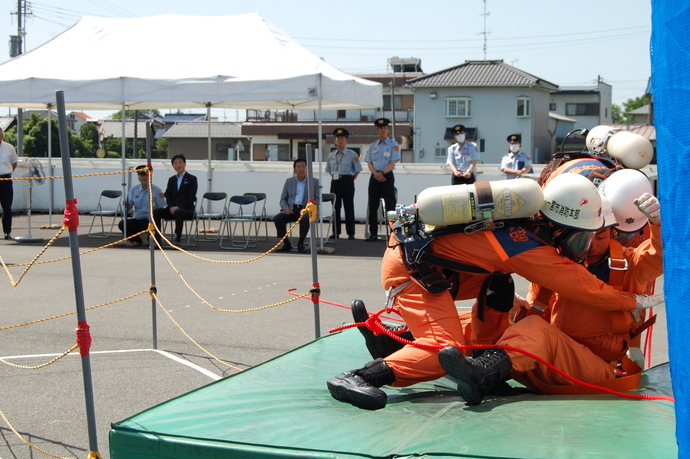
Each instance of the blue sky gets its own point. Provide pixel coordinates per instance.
(566, 43)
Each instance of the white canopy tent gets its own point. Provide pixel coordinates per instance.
(241, 61)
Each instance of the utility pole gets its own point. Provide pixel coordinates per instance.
(17, 41)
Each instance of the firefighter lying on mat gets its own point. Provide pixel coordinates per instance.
(417, 275)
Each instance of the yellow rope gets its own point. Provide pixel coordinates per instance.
(74, 312)
(24, 367)
(74, 176)
(27, 442)
(14, 284)
(192, 339)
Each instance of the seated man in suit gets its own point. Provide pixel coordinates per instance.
(180, 196)
(294, 197)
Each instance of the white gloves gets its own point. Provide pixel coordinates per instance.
(636, 355)
(649, 205)
(646, 302)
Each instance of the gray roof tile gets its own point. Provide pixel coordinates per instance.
(480, 73)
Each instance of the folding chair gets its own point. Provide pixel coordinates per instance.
(207, 213)
(100, 212)
(241, 210)
(260, 198)
(330, 219)
(187, 230)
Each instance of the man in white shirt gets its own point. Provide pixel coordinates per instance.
(8, 163)
(463, 157)
(515, 163)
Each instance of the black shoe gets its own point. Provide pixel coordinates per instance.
(302, 249)
(8, 237)
(475, 376)
(381, 345)
(351, 237)
(177, 242)
(361, 387)
(371, 238)
(286, 247)
(333, 236)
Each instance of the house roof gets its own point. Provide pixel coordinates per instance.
(175, 117)
(83, 116)
(481, 73)
(195, 130)
(113, 128)
(556, 116)
(645, 130)
(644, 110)
(6, 122)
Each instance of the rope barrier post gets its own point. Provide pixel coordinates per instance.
(72, 222)
(312, 246)
(152, 242)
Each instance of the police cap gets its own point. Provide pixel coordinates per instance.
(341, 132)
(381, 122)
(458, 128)
(514, 138)
(141, 170)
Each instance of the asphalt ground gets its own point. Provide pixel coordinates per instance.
(47, 406)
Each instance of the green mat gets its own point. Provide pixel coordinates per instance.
(282, 408)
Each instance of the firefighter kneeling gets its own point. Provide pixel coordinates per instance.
(546, 252)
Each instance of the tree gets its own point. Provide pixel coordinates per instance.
(621, 116)
(145, 114)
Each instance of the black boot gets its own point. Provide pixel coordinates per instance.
(475, 376)
(361, 387)
(380, 345)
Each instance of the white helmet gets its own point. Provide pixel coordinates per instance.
(621, 189)
(607, 212)
(631, 149)
(573, 201)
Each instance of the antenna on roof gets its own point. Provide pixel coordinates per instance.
(486, 32)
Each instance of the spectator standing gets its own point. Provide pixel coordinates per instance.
(381, 158)
(344, 166)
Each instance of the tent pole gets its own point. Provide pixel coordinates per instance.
(208, 122)
(124, 165)
(72, 221)
(320, 149)
(312, 245)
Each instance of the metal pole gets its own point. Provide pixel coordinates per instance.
(152, 242)
(320, 153)
(312, 246)
(124, 166)
(72, 221)
(210, 170)
(50, 166)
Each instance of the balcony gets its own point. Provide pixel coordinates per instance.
(306, 116)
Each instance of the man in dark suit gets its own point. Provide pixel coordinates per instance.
(180, 196)
(293, 199)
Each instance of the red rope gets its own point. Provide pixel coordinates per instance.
(291, 291)
(374, 324)
(71, 220)
(83, 338)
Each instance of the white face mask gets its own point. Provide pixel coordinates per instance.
(460, 138)
(514, 147)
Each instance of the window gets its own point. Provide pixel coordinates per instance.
(482, 145)
(387, 102)
(523, 109)
(552, 107)
(581, 109)
(342, 114)
(441, 152)
(459, 107)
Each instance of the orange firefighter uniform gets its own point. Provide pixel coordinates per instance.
(584, 340)
(433, 318)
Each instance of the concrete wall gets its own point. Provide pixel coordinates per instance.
(231, 177)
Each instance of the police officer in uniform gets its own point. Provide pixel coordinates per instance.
(462, 158)
(515, 163)
(381, 158)
(344, 166)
